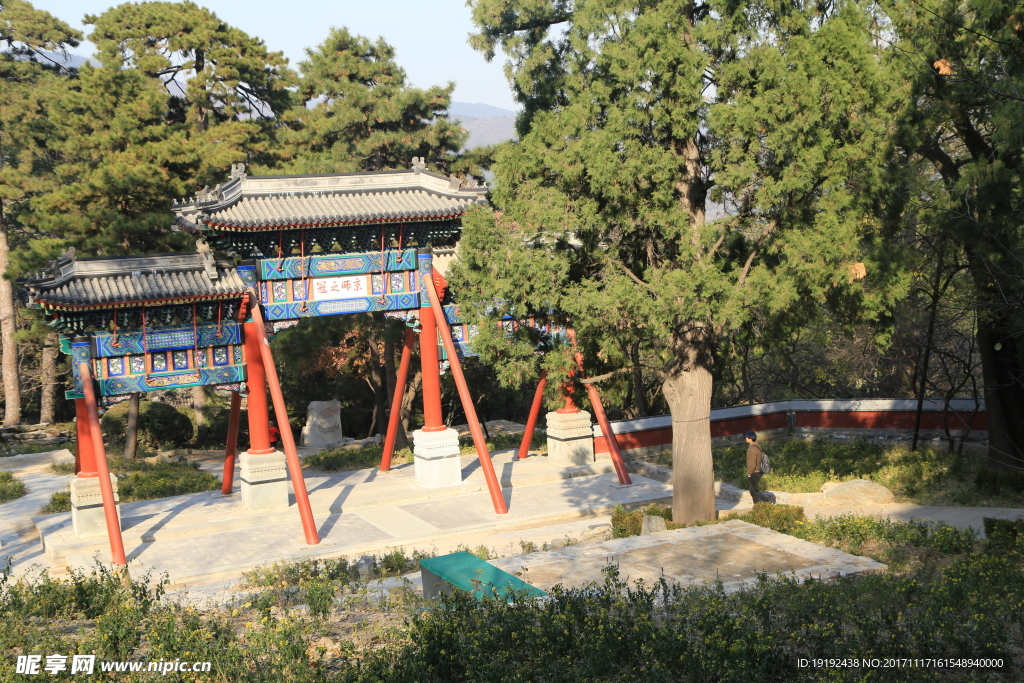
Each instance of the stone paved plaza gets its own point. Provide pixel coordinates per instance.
(208, 540)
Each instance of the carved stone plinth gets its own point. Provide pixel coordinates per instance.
(264, 480)
(570, 439)
(87, 516)
(437, 460)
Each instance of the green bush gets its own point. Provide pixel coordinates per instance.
(782, 518)
(60, 501)
(10, 488)
(995, 480)
(141, 480)
(626, 523)
(160, 425)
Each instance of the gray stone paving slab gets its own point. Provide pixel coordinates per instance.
(732, 552)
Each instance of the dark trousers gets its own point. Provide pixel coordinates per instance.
(755, 494)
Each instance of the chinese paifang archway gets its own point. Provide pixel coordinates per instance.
(271, 250)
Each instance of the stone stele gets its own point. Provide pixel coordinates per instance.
(323, 424)
(857, 492)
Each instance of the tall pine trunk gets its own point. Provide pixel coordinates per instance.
(131, 432)
(688, 393)
(1004, 391)
(198, 405)
(8, 347)
(48, 380)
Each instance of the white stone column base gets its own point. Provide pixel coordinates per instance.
(87, 516)
(264, 481)
(570, 439)
(437, 461)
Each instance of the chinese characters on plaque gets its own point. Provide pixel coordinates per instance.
(334, 288)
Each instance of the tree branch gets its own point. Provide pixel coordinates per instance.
(634, 277)
(755, 251)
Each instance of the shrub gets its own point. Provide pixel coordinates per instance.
(320, 597)
(10, 488)
(345, 459)
(160, 424)
(994, 480)
(625, 523)
(60, 501)
(141, 480)
(781, 518)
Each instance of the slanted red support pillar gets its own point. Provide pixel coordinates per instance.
(294, 466)
(497, 498)
(232, 444)
(396, 401)
(606, 428)
(102, 471)
(85, 459)
(531, 421)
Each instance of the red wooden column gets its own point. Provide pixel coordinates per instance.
(103, 472)
(85, 459)
(531, 422)
(396, 401)
(497, 498)
(291, 455)
(232, 444)
(430, 362)
(259, 415)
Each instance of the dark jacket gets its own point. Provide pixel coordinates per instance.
(753, 459)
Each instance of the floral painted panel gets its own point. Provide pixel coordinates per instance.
(397, 283)
(138, 364)
(159, 362)
(280, 291)
(238, 354)
(377, 283)
(115, 366)
(180, 360)
(201, 359)
(220, 355)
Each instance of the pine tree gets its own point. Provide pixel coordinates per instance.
(30, 74)
(354, 111)
(178, 97)
(637, 117)
(962, 72)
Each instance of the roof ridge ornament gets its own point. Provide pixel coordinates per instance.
(237, 171)
(419, 164)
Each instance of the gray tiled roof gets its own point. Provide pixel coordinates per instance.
(108, 282)
(270, 202)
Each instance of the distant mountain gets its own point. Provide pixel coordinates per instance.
(478, 111)
(487, 125)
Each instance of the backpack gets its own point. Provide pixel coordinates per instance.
(765, 466)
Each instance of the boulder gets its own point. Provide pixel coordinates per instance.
(652, 524)
(857, 492)
(323, 424)
(597, 532)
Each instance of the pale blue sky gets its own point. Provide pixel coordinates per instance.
(429, 36)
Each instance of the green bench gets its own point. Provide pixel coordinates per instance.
(441, 575)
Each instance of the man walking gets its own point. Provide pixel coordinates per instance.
(754, 473)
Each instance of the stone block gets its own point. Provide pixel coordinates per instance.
(857, 492)
(596, 533)
(570, 439)
(437, 461)
(264, 481)
(652, 524)
(323, 424)
(87, 516)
